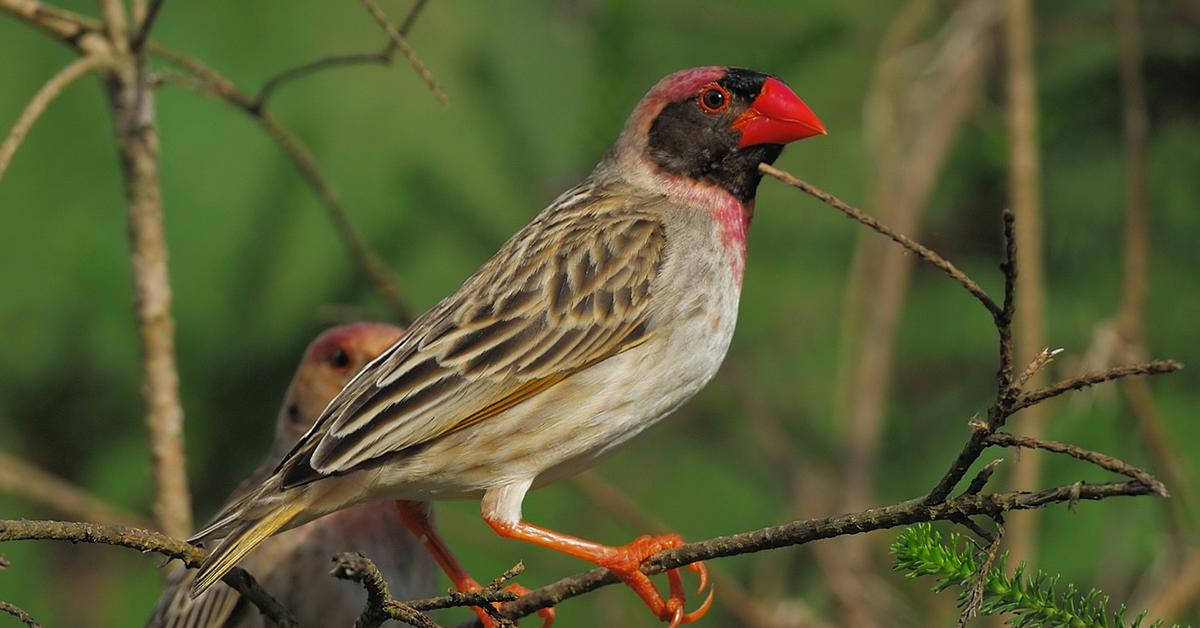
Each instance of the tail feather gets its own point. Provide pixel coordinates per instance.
(240, 541)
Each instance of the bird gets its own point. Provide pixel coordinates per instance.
(294, 566)
(612, 307)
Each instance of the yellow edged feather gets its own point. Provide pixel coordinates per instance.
(240, 542)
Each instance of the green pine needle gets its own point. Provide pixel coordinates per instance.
(1034, 601)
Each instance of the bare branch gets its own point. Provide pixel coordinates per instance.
(137, 146)
(1157, 367)
(398, 39)
(143, 541)
(981, 479)
(979, 578)
(917, 248)
(807, 531)
(380, 605)
(112, 13)
(42, 99)
(29, 482)
(210, 82)
(19, 613)
(145, 23)
(383, 57)
(1109, 463)
(72, 29)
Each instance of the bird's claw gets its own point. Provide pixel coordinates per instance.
(626, 563)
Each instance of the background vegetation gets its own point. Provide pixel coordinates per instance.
(537, 92)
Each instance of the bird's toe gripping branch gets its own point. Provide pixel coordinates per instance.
(626, 563)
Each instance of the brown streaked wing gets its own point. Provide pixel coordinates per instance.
(561, 295)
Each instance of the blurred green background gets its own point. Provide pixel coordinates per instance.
(537, 92)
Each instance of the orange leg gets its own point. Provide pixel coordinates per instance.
(625, 562)
(415, 516)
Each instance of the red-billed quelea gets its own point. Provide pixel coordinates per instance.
(294, 566)
(598, 318)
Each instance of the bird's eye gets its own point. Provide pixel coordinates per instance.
(714, 99)
(339, 359)
(293, 413)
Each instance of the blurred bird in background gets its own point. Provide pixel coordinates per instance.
(600, 317)
(294, 566)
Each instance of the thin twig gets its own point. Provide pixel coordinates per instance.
(145, 24)
(383, 56)
(1043, 357)
(917, 248)
(1156, 367)
(19, 613)
(143, 541)
(209, 82)
(979, 578)
(42, 99)
(1109, 463)
(398, 39)
(26, 481)
(116, 27)
(981, 479)
(1008, 268)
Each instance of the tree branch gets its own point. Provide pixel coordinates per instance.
(132, 105)
(1157, 367)
(807, 531)
(383, 57)
(1109, 463)
(143, 541)
(917, 248)
(42, 99)
(19, 613)
(357, 567)
(398, 40)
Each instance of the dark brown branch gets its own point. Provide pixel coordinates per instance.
(143, 541)
(1109, 463)
(807, 531)
(917, 248)
(1157, 367)
(147, 22)
(381, 607)
(19, 613)
(383, 56)
(1004, 323)
(979, 578)
(981, 479)
(357, 567)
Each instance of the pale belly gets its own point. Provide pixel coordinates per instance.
(583, 418)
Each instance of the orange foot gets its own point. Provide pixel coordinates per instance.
(415, 516)
(625, 562)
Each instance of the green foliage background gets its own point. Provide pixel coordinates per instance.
(537, 91)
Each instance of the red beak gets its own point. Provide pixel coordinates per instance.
(777, 116)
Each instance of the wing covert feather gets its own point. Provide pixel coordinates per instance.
(569, 290)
